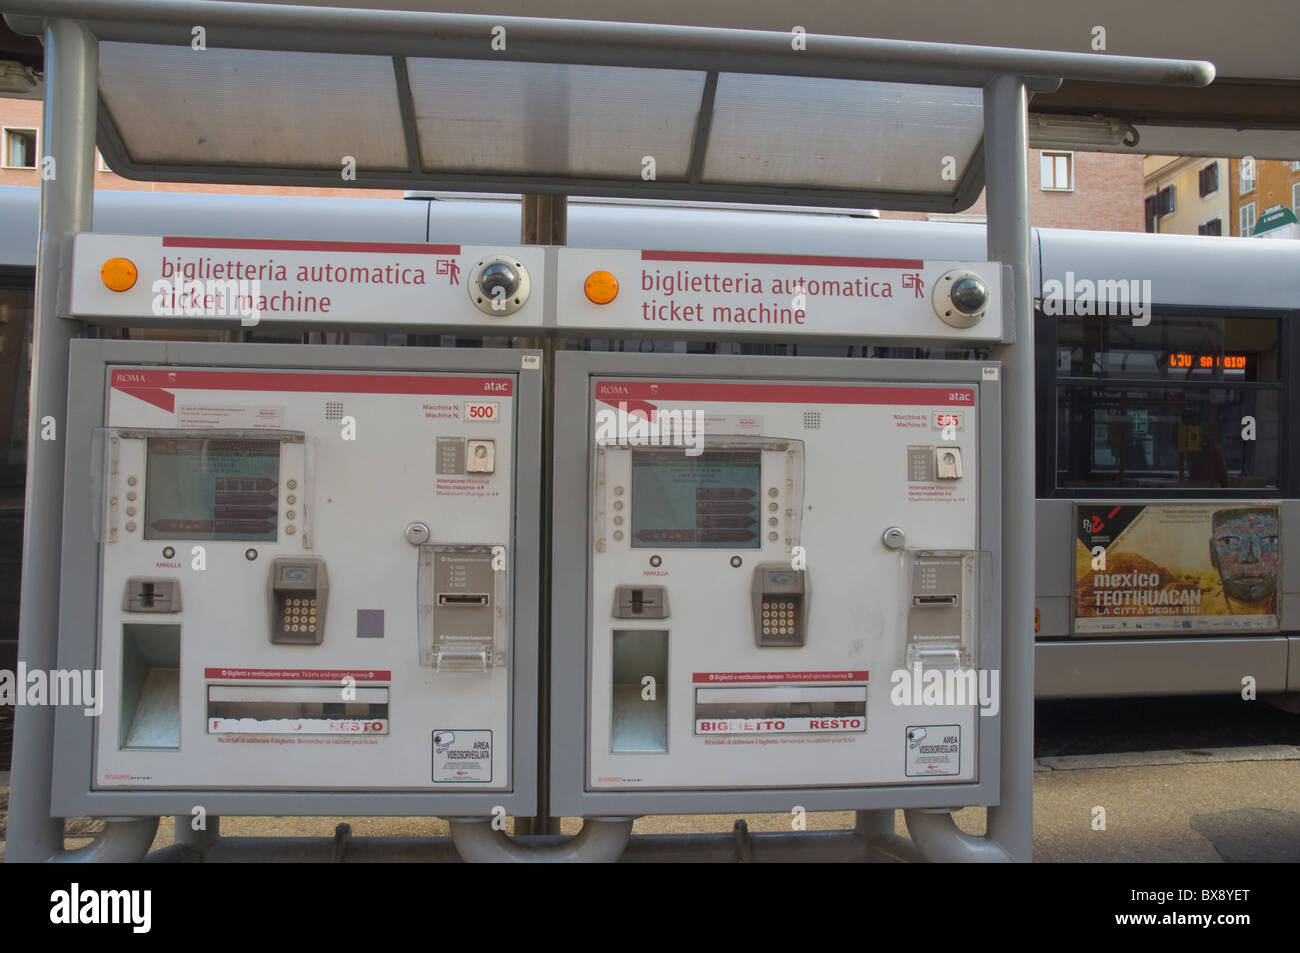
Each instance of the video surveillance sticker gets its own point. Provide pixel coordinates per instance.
(461, 755)
(933, 750)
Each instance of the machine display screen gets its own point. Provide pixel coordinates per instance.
(710, 501)
(199, 488)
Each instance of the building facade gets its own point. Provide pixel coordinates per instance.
(1101, 191)
(1256, 185)
(1186, 195)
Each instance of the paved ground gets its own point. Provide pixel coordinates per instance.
(1237, 805)
(1180, 779)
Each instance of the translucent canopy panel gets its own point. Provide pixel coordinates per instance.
(551, 119)
(223, 107)
(278, 117)
(834, 133)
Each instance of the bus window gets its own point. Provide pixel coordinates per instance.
(1168, 405)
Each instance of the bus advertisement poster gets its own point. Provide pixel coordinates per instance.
(1176, 567)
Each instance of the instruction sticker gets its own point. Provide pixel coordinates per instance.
(933, 750)
(200, 416)
(462, 755)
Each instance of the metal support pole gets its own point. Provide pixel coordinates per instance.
(544, 220)
(67, 194)
(1006, 157)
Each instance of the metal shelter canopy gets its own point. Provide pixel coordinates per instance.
(281, 95)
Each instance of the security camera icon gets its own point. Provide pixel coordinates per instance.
(442, 740)
(915, 736)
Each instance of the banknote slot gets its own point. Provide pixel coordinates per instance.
(923, 601)
(463, 599)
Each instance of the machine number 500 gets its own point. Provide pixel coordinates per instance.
(482, 411)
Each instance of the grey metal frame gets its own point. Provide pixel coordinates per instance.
(72, 57)
(71, 30)
(79, 618)
(571, 575)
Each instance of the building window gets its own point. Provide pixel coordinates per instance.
(1295, 197)
(1247, 177)
(1209, 179)
(1295, 165)
(1213, 227)
(1164, 202)
(1247, 219)
(20, 148)
(1057, 171)
(1152, 216)
(1167, 200)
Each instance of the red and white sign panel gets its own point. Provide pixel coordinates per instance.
(714, 294)
(240, 281)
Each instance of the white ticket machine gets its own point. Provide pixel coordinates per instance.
(308, 577)
(774, 584)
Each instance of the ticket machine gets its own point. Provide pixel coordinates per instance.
(308, 577)
(774, 584)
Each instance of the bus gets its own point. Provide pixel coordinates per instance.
(1168, 488)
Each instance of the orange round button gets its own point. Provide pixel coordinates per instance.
(119, 274)
(601, 287)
